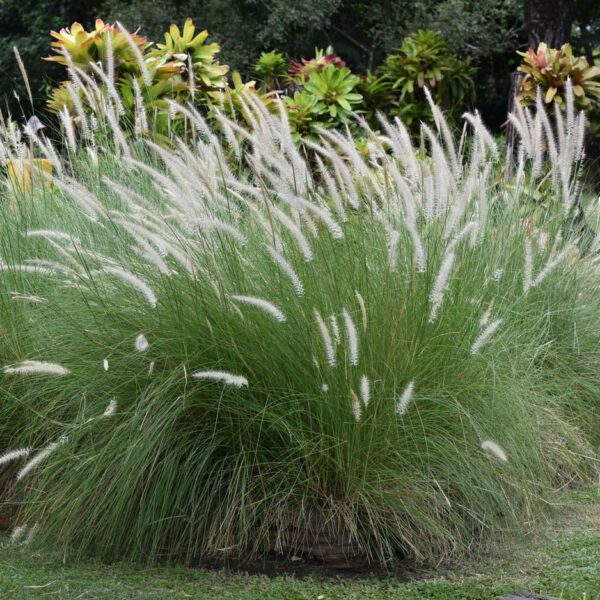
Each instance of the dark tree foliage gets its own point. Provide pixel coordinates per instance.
(27, 24)
(586, 30)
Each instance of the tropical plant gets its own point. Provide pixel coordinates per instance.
(271, 68)
(300, 71)
(137, 77)
(305, 115)
(77, 47)
(424, 60)
(188, 50)
(376, 95)
(549, 69)
(334, 87)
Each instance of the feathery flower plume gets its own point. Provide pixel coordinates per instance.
(363, 309)
(67, 124)
(86, 200)
(356, 406)
(17, 533)
(405, 398)
(76, 100)
(93, 155)
(23, 73)
(208, 224)
(33, 269)
(118, 135)
(111, 409)
(494, 449)
(134, 281)
(48, 233)
(332, 189)
(222, 376)
(13, 455)
(553, 263)
(35, 367)
(352, 335)
(485, 335)
(53, 265)
(335, 328)
(141, 118)
(482, 134)
(39, 458)
(110, 58)
(110, 86)
(365, 390)
(439, 285)
(105, 364)
(570, 104)
(419, 251)
(285, 266)
(37, 299)
(141, 343)
(295, 232)
(191, 80)
(263, 304)
(442, 126)
(138, 55)
(324, 215)
(485, 318)
(31, 534)
(327, 342)
(152, 252)
(325, 388)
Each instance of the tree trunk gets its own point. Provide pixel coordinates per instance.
(548, 21)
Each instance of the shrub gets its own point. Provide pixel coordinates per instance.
(376, 95)
(272, 68)
(134, 75)
(301, 70)
(241, 351)
(422, 60)
(334, 89)
(322, 94)
(549, 69)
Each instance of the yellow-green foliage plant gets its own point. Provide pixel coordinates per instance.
(549, 69)
(130, 78)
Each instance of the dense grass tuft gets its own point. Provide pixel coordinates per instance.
(252, 346)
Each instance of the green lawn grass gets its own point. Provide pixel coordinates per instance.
(563, 561)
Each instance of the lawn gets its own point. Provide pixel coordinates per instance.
(563, 561)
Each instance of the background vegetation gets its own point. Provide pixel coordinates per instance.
(362, 33)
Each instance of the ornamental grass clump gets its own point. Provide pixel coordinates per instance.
(265, 349)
